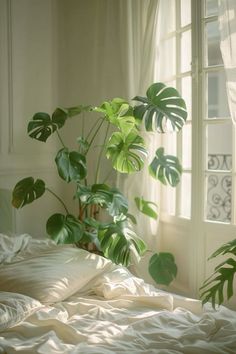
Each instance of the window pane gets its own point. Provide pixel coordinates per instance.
(211, 7)
(169, 143)
(168, 200)
(185, 207)
(167, 59)
(186, 92)
(167, 7)
(213, 44)
(187, 146)
(219, 198)
(217, 96)
(186, 51)
(185, 12)
(219, 141)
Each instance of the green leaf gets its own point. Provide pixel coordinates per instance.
(59, 117)
(229, 247)
(74, 111)
(162, 105)
(119, 113)
(26, 191)
(145, 207)
(132, 218)
(118, 204)
(71, 165)
(213, 287)
(83, 145)
(126, 152)
(118, 242)
(162, 268)
(101, 194)
(165, 168)
(41, 126)
(64, 229)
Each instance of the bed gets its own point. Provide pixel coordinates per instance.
(60, 299)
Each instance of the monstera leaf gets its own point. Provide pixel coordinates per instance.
(83, 145)
(101, 194)
(162, 268)
(71, 165)
(64, 229)
(222, 278)
(118, 242)
(42, 125)
(26, 191)
(146, 207)
(125, 152)
(74, 111)
(165, 168)
(161, 106)
(119, 113)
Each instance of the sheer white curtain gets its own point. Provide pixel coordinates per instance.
(138, 39)
(227, 24)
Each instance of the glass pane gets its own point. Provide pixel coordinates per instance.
(217, 96)
(212, 7)
(186, 92)
(187, 146)
(169, 143)
(167, 59)
(167, 7)
(213, 44)
(168, 200)
(219, 142)
(185, 207)
(219, 198)
(186, 51)
(185, 12)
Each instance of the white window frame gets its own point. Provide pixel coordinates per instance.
(201, 236)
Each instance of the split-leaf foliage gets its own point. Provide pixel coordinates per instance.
(161, 109)
(219, 286)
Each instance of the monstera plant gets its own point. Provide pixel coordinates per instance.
(219, 286)
(124, 146)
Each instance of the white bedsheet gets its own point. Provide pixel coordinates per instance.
(114, 317)
(119, 313)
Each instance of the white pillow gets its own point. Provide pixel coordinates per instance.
(14, 248)
(54, 274)
(14, 308)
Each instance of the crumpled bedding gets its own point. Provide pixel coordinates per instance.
(119, 313)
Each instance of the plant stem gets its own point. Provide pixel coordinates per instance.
(83, 124)
(58, 198)
(92, 128)
(59, 137)
(100, 154)
(108, 175)
(94, 135)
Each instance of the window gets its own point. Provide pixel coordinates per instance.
(200, 68)
(196, 216)
(174, 68)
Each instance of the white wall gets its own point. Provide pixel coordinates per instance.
(28, 71)
(48, 58)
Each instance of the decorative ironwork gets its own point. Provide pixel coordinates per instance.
(219, 162)
(219, 189)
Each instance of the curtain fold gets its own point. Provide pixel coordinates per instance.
(138, 19)
(138, 40)
(227, 26)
